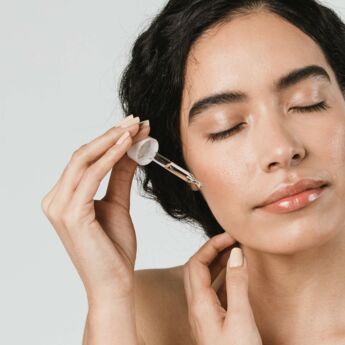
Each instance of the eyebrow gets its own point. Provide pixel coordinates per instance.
(292, 78)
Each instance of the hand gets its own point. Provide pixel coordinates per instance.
(211, 324)
(98, 234)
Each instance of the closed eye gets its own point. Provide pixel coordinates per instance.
(314, 107)
(225, 134)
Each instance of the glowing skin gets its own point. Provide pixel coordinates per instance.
(296, 259)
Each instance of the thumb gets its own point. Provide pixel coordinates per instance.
(238, 305)
(120, 181)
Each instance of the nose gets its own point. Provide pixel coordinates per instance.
(280, 148)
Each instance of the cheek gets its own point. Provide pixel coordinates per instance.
(217, 169)
(327, 138)
(336, 153)
(224, 181)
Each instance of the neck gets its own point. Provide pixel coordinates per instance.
(299, 298)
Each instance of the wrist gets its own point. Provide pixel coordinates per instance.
(107, 300)
(109, 320)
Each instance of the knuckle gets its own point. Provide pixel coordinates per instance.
(213, 242)
(44, 204)
(53, 212)
(79, 153)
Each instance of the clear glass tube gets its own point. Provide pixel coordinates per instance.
(176, 170)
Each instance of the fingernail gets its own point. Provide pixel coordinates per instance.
(236, 257)
(124, 120)
(123, 137)
(141, 124)
(130, 122)
(145, 123)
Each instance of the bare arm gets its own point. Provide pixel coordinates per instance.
(111, 323)
(86, 333)
(99, 235)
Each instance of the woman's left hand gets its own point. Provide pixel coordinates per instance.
(211, 324)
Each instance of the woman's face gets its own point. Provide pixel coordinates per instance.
(275, 143)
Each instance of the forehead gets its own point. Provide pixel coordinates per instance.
(246, 53)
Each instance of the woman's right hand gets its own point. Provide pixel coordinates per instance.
(98, 234)
(211, 322)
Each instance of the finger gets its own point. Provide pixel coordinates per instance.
(186, 283)
(49, 196)
(238, 305)
(218, 267)
(121, 177)
(219, 280)
(204, 300)
(221, 292)
(220, 262)
(83, 158)
(89, 183)
(188, 293)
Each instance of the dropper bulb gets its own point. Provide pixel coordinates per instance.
(144, 151)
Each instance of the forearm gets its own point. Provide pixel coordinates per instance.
(86, 331)
(111, 324)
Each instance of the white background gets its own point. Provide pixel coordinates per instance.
(60, 63)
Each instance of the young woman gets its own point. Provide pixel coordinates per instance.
(249, 97)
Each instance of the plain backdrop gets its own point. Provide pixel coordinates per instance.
(60, 63)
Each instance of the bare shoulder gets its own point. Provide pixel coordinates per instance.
(161, 306)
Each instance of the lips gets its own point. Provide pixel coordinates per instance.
(289, 190)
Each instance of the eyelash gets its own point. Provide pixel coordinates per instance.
(223, 135)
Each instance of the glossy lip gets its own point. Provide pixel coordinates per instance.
(296, 188)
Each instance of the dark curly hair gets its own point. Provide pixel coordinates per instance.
(152, 83)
